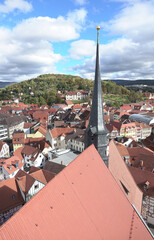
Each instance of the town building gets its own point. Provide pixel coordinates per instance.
(145, 181)
(56, 136)
(10, 166)
(4, 150)
(75, 140)
(33, 157)
(82, 202)
(77, 95)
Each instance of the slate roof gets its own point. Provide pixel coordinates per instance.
(12, 120)
(78, 204)
(142, 118)
(53, 167)
(78, 135)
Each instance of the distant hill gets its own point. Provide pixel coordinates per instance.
(45, 88)
(134, 82)
(4, 84)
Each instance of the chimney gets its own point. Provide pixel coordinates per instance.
(61, 162)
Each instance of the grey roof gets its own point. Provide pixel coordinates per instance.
(79, 135)
(12, 120)
(142, 118)
(65, 158)
(53, 167)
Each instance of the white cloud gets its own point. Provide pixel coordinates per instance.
(121, 58)
(27, 50)
(134, 21)
(11, 5)
(82, 48)
(131, 54)
(41, 28)
(78, 16)
(80, 2)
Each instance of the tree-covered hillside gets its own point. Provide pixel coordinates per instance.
(43, 89)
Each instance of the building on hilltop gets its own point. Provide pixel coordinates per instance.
(96, 132)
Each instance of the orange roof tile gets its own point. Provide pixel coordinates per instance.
(82, 202)
(10, 196)
(8, 166)
(123, 177)
(42, 176)
(18, 153)
(57, 132)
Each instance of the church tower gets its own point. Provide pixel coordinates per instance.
(96, 132)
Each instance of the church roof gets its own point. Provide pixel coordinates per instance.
(82, 202)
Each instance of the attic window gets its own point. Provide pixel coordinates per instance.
(125, 189)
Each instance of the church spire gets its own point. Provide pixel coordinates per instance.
(96, 132)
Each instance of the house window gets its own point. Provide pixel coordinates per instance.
(36, 186)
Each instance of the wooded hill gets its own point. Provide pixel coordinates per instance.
(43, 90)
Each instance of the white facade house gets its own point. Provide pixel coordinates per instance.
(33, 157)
(4, 150)
(75, 145)
(3, 132)
(77, 95)
(10, 166)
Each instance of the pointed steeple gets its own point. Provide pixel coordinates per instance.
(96, 132)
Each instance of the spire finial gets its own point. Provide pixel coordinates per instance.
(98, 28)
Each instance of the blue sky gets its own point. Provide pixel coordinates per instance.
(42, 36)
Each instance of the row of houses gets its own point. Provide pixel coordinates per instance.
(16, 191)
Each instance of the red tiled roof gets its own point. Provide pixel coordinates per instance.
(57, 132)
(122, 149)
(6, 163)
(42, 176)
(68, 102)
(18, 153)
(41, 130)
(28, 125)
(18, 138)
(52, 110)
(24, 180)
(123, 177)
(126, 108)
(82, 202)
(141, 177)
(77, 106)
(10, 196)
(29, 150)
(41, 115)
